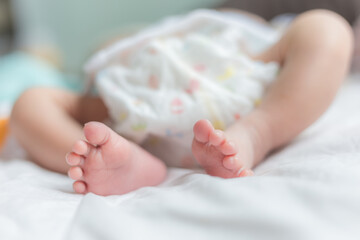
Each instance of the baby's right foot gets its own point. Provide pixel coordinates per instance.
(108, 164)
(218, 155)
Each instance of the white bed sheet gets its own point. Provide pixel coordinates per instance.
(308, 190)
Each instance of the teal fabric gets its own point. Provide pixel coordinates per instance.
(20, 71)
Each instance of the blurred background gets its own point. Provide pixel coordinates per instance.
(66, 32)
(78, 27)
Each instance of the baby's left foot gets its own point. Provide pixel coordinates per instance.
(218, 155)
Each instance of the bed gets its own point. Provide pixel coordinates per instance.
(308, 190)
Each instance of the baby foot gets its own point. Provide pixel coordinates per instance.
(216, 154)
(108, 164)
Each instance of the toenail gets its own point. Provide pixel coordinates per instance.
(239, 172)
(68, 159)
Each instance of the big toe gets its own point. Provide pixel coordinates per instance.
(202, 130)
(97, 133)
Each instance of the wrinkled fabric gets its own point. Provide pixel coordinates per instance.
(308, 190)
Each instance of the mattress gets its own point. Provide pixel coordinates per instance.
(308, 190)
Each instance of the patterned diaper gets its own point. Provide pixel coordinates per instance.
(158, 83)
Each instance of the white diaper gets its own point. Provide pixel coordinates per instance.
(158, 83)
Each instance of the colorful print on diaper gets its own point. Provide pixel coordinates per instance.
(193, 86)
(237, 116)
(122, 116)
(139, 127)
(218, 124)
(171, 133)
(153, 82)
(257, 102)
(200, 67)
(229, 72)
(152, 51)
(177, 106)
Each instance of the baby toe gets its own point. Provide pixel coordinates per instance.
(81, 148)
(80, 187)
(217, 137)
(227, 148)
(202, 130)
(97, 133)
(231, 163)
(75, 173)
(74, 159)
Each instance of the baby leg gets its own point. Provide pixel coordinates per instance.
(48, 123)
(314, 55)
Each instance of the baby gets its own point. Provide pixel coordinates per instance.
(209, 86)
